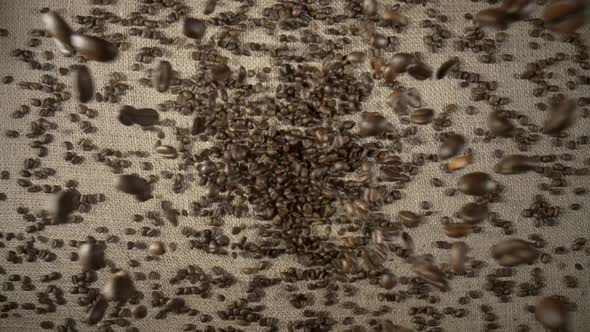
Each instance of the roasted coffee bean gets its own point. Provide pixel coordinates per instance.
(449, 66)
(420, 71)
(424, 267)
(97, 311)
(198, 126)
(162, 76)
(220, 72)
(551, 313)
(474, 213)
(119, 288)
(61, 32)
(515, 164)
(422, 116)
(398, 64)
(559, 117)
(409, 218)
(373, 124)
(494, 17)
(387, 281)
(514, 252)
(209, 7)
(476, 184)
(458, 229)
(139, 312)
(520, 8)
(452, 145)
(167, 151)
(413, 97)
(82, 82)
(94, 48)
(145, 117)
(457, 257)
(370, 7)
(63, 204)
(91, 257)
(194, 28)
(157, 248)
(500, 126)
(565, 16)
(134, 185)
(458, 163)
(395, 17)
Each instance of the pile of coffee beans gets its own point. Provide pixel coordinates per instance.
(283, 188)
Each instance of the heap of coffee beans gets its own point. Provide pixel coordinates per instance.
(280, 198)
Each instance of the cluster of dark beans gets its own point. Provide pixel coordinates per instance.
(286, 174)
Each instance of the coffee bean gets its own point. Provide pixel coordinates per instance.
(422, 116)
(82, 83)
(61, 32)
(134, 185)
(457, 257)
(397, 64)
(63, 204)
(387, 281)
(120, 287)
(565, 16)
(97, 311)
(458, 163)
(551, 313)
(157, 248)
(424, 267)
(413, 97)
(209, 7)
(515, 164)
(559, 117)
(494, 17)
(458, 229)
(420, 71)
(476, 184)
(449, 66)
(514, 252)
(139, 312)
(145, 117)
(452, 145)
(162, 76)
(194, 28)
(520, 8)
(91, 257)
(409, 218)
(94, 48)
(370, 7)
(500, 126)
(474, 213)
(395, 17)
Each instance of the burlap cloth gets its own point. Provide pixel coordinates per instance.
(116, 213)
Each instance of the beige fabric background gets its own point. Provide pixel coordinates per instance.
(116, 214)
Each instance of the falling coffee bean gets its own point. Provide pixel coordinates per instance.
(425, 269)
(413, 97)
(420, 71)
(94, 48)
(458, 163)
(373, 124)
(519, 8)
(560, 117)
(565, 16)
(119, 288)
(210, 7)
(449, 66)
(61, 32)
(474, 213)
(409, 218)
(500, 126)
(458, 229)
(398, 64)
(82, 83)
(157, 248)
(91, 257)
(452, 145)
(133, 184)
(515, 164)
(162, 76)
(97, 310)
(476, 184)
(63, 204)
(167, 151)
(145, 117)
(395, 17)
(457, 257)
(494, 17)
(387, 281)
(422, 116)
(551, 313)
(370, 7)
(513, 252)
(194, 28)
